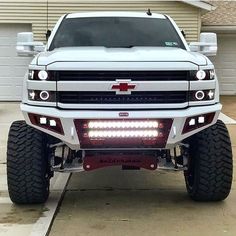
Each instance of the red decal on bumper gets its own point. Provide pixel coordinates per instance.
(99, 161)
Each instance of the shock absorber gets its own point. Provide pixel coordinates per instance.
(168, 156)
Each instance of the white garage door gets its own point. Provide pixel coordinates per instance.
(12, 68)
(225, 63)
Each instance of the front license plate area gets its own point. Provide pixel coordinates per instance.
(92, 162)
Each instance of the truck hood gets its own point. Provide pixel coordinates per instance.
(135, 54)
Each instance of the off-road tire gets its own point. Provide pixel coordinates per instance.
(27, 164)
(209, 177)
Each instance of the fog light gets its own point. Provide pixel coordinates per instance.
(43, 75)
(201, 119)
(199, 95)
(47, 122)
(192, 122)
(197, 122)
(201, 74)
(52, 123)
(44, 95)
(43, 120)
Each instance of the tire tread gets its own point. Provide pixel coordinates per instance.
(26, 165)
(211, 149)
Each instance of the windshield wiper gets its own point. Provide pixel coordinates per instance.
(128, 46)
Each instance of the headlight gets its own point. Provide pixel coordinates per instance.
(199, 95)
(202, 95)
(205, 75)
(41, 75)
(201, 74)
(42, 96)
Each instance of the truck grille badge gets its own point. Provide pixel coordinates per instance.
(123, 86)
(123, 114)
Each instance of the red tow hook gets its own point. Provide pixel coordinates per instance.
(92, 162)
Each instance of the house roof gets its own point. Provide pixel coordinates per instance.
(204, 5)
(223, 16)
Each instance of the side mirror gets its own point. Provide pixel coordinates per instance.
(207, 44)
(26, 47)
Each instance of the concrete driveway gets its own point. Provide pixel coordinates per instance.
(115, 202)
(27, 220)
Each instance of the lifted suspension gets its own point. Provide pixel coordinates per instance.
(68, 160)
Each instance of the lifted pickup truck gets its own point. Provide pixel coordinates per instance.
(119, 89)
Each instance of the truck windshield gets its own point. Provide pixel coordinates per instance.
(116, 32)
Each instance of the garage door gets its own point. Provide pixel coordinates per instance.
(12, 68)
(225, 63)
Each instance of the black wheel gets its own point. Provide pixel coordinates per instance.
(27, 164)
(210, 167)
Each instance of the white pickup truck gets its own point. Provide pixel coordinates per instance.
(119, 89)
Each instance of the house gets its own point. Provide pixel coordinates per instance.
(222, 21)
(38, 16)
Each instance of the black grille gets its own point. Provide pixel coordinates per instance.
(161, 97)
(131, 75)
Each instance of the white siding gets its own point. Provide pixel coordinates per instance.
(35, 12)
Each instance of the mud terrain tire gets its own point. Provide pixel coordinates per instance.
(27, 164)
(209, 177)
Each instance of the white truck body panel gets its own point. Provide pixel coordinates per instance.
(71, 138)
(134, 54)
(120, 59)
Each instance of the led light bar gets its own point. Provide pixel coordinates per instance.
(122, 124)
(123, 133)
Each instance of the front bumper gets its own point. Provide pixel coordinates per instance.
(71, 138)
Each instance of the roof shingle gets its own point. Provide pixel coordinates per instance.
(223, 15)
